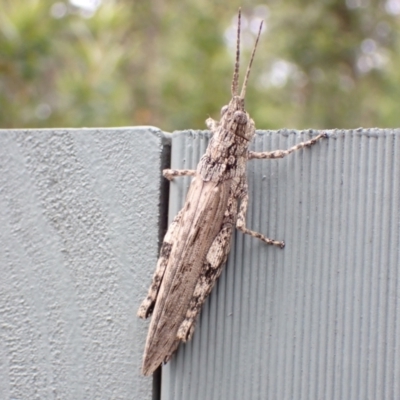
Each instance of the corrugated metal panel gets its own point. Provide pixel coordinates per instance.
(321, 318)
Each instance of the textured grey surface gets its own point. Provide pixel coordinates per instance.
(321, 318)
(79, 218)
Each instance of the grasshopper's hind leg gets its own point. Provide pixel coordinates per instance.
(148, 303)
(147, 306)
(212, 267)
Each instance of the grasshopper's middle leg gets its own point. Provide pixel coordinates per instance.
(241, 222)
(148, 303)
(170, 174)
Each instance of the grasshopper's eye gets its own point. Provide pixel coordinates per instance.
(224, 109)
(240, 117)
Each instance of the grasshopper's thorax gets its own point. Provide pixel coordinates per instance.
(226, 154)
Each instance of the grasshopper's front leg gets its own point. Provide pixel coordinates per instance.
(241, 221)
(284, 153)
(148, 303)
(212, 124)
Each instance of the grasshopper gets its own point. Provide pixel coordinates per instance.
(198, 240)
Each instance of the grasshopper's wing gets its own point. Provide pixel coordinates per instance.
(200, 222)
(212, 268)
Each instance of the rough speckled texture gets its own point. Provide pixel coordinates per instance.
(79, 218)
(321, 318)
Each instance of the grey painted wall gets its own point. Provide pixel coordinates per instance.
(321, 318)
(79, 226)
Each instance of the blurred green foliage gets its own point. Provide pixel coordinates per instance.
(320, 64)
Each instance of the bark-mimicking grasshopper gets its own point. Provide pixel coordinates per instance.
(197, 242)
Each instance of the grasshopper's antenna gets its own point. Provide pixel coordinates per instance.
(235, 80)
(243, 92)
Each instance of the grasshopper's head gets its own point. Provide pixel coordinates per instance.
(234, 117)
(236, 120)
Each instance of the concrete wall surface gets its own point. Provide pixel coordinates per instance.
(79, 227)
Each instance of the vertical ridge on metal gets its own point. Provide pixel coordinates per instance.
(319, 319)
